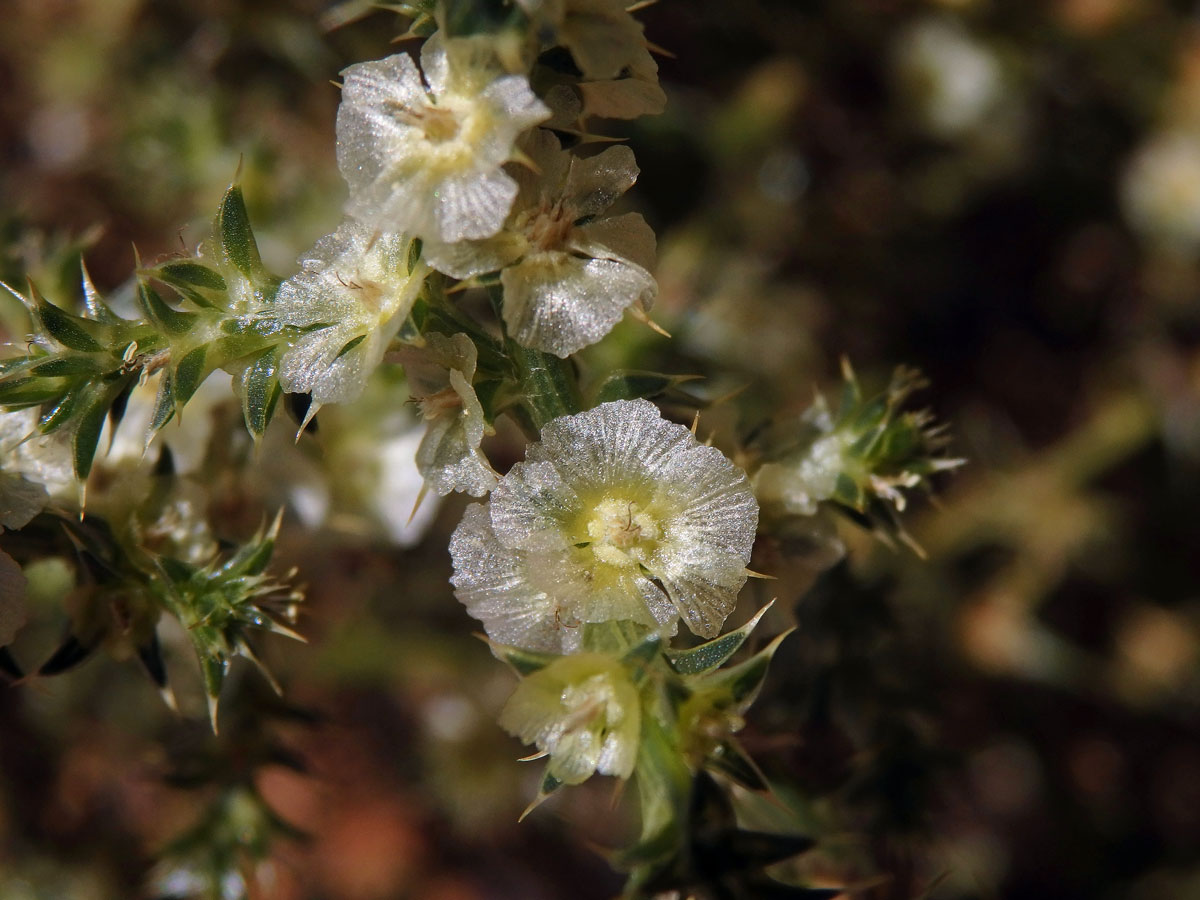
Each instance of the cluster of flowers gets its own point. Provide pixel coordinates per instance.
(449, 173)
(618, 523)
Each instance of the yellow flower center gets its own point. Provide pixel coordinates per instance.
(622, 533)
(438, 123)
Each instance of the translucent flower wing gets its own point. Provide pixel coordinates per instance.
(366, 125)
(515, 108)
(449, 456)
(560, 303)
(594, 184)
(471, 205)
(499, 587)
(624, 443)
(464, 259)
(625, 237)
(534, 509)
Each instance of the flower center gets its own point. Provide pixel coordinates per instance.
(547, 227)
(441, 403)
(439, 124)
(622, 533)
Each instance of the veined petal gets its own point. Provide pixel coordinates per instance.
(595, 183)
(625, 237)
(533, 508)
(473, 205)
(559, 303)
(365, 121)
(512, 595)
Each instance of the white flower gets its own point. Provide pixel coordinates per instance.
(32, 469)
(617, 514)
(439, 375)
(1160, 191)
(354, 290)
(566, 284)
(583, 711)
(954, 81)
(424, 156)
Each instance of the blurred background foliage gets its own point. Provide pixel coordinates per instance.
(1003, 195)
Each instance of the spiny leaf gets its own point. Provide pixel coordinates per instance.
(549, 785)
(158, 311)
(70, 331)
(633, 385)
(66, 366)
(715, 653)
(731, 761)
(89, 424)
(525, 662)
(188, 375)
(191, 274)
(261, 391)
(743, 681)
(61, 413)
(70, 653)
(237, 238)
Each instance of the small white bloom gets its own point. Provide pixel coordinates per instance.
(953, 80)
(354, 292)
(566, 284)
(439, 375)
(424, 155)
(617, 514)
(584, 712)
(1160, 191)
(32, 469)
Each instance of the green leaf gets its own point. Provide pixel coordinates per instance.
(637, 659)
(171, 320)
(848, 491)
(350, 345)
(715, 653)
(743, 681)
(730, 760)
(414, 254)
(66, 366)
(164, 404)
(189, 374)
(261, 392)
(525, 662)
(87, 431)
(70, 331)
(237, 238)
(633, 385)
(21, 393)
(60, 413)
(191, 274)
(549, 785)
(663, 782)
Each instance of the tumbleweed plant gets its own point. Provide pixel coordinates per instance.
(487, 242)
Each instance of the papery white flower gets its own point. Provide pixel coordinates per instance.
(583, 711)
(439, 375)
(424, 155)
(354, 291)
(32, 469)
(953, 80)
(617, 514)
(1160, 191)
(565, 284)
